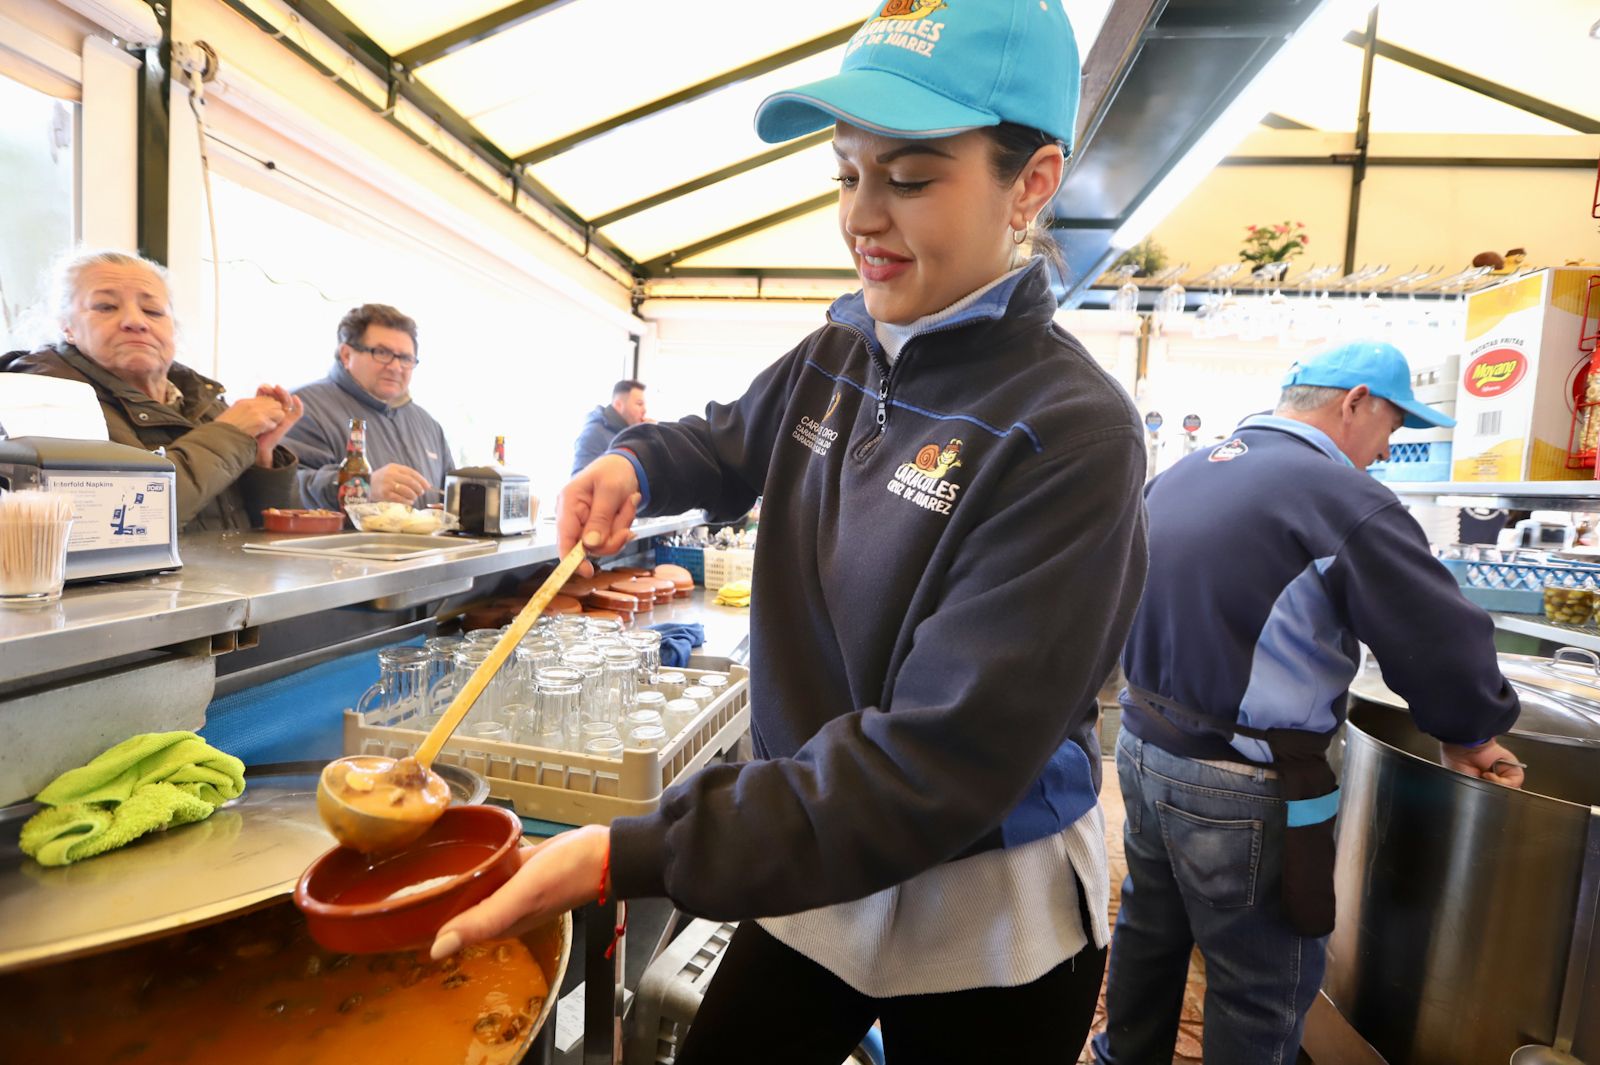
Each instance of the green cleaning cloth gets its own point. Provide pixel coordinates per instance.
(148, 782)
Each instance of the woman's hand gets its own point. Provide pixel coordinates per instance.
(268, 440)
(598, 506)
(253, 416)
(558, 875)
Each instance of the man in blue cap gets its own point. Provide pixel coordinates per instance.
(1273, 557)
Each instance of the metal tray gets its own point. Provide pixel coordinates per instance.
(249, 852)
(374, 547)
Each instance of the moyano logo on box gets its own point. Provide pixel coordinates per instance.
(1495, 372)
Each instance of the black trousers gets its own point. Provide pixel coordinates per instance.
(770, 1005)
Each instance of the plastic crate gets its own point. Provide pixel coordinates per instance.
(1422, 460)
(692, 559)
(1525, 576)
(569, 787)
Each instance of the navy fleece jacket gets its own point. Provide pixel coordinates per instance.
(938, 596)
(1271, 556)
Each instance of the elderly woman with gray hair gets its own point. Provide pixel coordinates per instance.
(116, 334)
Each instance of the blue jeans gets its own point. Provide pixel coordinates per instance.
(1204, 848)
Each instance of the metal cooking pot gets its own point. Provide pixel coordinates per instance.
(1457, 897)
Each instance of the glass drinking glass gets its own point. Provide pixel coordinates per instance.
(604, 747)
(647, 700)
(483, 636)
(590, 667)
(700, 695)
(671, 684)
(401, 694)
(678, 714)
(717, 682)
(621, 676)
(558, 698)
(647, 738)
(441, 652)
(648, 644)
(642, 719)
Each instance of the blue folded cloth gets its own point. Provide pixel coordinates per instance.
(677, 640)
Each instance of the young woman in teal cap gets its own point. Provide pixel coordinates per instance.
(952, 547)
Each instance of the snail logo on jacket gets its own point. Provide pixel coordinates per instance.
(815, 435)
(1229, 451)
(921, 482)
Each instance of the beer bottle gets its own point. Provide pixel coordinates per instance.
(355, 476)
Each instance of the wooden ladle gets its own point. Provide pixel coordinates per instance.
(379, 805)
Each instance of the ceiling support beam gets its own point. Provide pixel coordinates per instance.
(476, 32)
(1358, 171)
(783, 151)
(662, 264)
(1448, 162)
(1109, 60)
(1483, 86)
(750, 70)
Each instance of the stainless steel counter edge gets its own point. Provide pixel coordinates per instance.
(222, 588)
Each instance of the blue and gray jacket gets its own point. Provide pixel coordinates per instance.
(1271, 556)
(951, 552)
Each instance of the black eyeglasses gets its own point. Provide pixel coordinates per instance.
(384, 355)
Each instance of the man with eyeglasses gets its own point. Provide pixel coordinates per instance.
(371, 379)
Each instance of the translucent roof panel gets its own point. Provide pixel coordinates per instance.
(587, 61)
(1405, 100)
(727, 204)
(1542, 49)
(673, 146)
(811, 241)
(1326, 89)
(395, 25)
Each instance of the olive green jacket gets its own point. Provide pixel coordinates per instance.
(219, 484)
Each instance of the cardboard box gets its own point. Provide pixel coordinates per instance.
(1514, 407)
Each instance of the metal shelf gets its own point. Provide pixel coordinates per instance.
(1512, 495)
(1537, 626)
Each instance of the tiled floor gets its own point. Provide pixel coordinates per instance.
(1189, 1025)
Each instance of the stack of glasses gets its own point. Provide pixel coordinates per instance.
(575, 684)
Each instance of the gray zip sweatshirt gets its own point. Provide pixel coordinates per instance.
(405, 433)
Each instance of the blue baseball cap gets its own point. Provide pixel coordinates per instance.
(1377, 365)
(934, 68)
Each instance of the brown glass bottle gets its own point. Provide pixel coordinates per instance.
(355, 476)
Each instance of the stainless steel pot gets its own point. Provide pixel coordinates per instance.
(1457, 897)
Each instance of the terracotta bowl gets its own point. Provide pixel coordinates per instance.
(401, 901)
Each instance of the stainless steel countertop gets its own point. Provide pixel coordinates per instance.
(222, 588)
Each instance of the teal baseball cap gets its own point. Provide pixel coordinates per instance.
(934, 68)
(1377, 365)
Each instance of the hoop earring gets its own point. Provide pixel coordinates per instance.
(1019, 237)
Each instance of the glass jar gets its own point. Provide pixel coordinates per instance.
(671, 684)
(620, 679)
(1569, 606)
(646, 700)
(557, 699)
(678, 714)
(401, 696)
(717, 682)
(700, 695)
(648, 644)
(647, 738)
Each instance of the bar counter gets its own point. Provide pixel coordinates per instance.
(223, 589)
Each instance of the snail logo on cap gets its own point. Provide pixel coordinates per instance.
(911, 9)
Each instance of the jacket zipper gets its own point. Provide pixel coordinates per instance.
(886, 374)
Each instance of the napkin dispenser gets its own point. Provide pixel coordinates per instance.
(125, 501)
